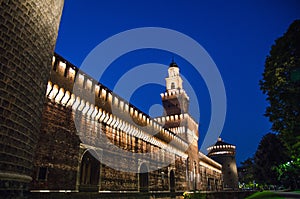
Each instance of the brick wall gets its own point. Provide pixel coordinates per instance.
(62, 146)
(57, 150)
(28, 32)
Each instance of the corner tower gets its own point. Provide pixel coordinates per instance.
(224, 154)
(28, 30)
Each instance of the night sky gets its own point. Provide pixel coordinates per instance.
(237, 36)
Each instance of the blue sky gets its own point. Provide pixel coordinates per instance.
(237, 35)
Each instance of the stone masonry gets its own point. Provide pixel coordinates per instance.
(28, 30)
(76, 151)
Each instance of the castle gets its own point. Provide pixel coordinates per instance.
(76, 151)
(62, 141)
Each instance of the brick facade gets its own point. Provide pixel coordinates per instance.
(28, 32)
(81, 142)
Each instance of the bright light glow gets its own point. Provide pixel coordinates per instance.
(53, 60)
(71, 74)
(65, 98)
(72, 100)
(103, 93)
(76, 104)
(116, 101)
(88, 84)
(82, 104)
(91, 110)
(60, 94)
(109, 97)
(53, 92)
(80, 79)
(49, 87)
(95, 112)
(221, 152)
(61, 68)
(86, 107)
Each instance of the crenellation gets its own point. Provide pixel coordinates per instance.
(66, 98)
(76, 103)
(124, 126)
(59, 95)
(61, 68)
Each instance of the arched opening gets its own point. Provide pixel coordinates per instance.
(195, 176)
(188, 174)
(143, 178)
(216, 184)
(172, 181)
(172, 85)
(89, 172)
(187, 170)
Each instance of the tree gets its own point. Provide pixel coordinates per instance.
(246, 173)
(270, 153)
(289, 172)
(281, 83)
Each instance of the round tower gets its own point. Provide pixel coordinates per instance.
(224, 154)
(28, 30)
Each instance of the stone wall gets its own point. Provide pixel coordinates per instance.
(28, 32)
(229, 171)
(57, 150)
(70, 130)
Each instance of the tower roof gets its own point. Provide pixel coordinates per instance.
(173, 64)
(221, 147)
(221, 142)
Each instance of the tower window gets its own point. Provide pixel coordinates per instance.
(172, 85)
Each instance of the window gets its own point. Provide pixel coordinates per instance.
(187, 169)
(172, 85)
(42, 173)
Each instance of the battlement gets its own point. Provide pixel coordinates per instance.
(175, 122)
(221, 148)
(71, 87)
(209, 163)
(174, 93)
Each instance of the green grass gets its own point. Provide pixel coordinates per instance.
(297, 191)
(194, 196)
(264, 194)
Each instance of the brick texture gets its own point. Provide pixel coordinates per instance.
(28, 32)
(76, 150)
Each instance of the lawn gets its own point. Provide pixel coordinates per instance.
(264, 194)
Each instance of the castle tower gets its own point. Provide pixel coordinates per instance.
(224, 154)
(177, 101)
(177, 118)
(28, 30)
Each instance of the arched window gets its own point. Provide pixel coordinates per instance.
(187, 169)
(195, 175)
(172, 85)
(144, 178)
(89, 171)
(172, 181)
